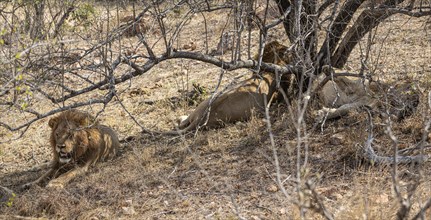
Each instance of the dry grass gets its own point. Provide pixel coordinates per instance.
(228, 173)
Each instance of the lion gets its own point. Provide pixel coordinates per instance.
(342, 94)
(238, 102)
(77, 141)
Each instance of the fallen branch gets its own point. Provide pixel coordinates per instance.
(371, 156)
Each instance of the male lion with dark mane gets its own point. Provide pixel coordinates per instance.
(77, 142)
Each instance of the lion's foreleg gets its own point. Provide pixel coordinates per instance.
(41, 179)
(75, 172)
(331, 113)
(39, 167)
(67, 177)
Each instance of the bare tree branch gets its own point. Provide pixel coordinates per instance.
(371, 155)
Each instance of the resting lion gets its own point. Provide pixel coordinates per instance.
(77, 142)
(237, 103)
(343, 94)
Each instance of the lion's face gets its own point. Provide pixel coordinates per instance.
(69, 141)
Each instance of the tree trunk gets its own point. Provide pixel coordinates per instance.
(367, 20)
(37, 29)
(336, 31)
(300, 25)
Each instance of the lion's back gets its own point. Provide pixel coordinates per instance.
(110, 140)
(104, 141)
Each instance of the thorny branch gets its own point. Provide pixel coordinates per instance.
(371, 155)
(139, 70)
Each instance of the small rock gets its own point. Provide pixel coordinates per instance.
(254, 195)
(272, 188)
(212, 205)
(382, 199)
(255, 217)
(338, 196)
(129, 202)
(128, 210)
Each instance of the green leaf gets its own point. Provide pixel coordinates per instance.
(9, 203)
(28, 92)
(24, 105)
(19, 77)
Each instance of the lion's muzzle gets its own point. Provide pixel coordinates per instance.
(64, 156)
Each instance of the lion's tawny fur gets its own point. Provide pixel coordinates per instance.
(238, 103)
(77, 138)
(343, 94)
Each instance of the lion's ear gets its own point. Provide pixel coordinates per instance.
(52, 122)
(85, 122)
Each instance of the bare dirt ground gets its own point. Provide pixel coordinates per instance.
(230, 173)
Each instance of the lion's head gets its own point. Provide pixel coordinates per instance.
(69, 139)
(277, 53)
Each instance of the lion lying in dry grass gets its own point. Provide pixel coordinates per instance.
(238, 103)
(77, 142)
(343, 94)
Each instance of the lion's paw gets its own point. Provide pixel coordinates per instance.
(323, 113)
(55, 184)
(27, 186)
(180, 120)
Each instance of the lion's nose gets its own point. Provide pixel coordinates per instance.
(61, 146)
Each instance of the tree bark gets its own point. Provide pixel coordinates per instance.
(37, 28)
(367, 20)
(337, 29)
(306, 19)
(283, 6)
